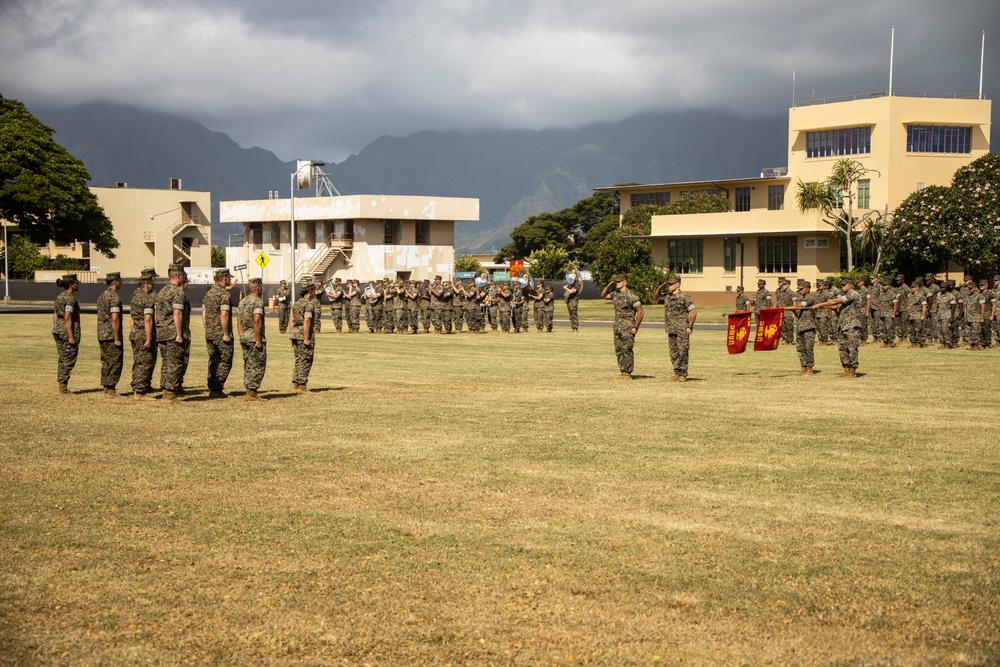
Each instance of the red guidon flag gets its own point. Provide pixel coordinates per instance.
(769, 322)
(739, 332)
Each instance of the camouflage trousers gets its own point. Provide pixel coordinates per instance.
(173, 364)
(373, 316)
(493, 315)
(474, 317)
(425, 316)
(995, 326)
(303, 361)
(318, 319)
(680, 345)
(805, 342)
(67, 357)
(624, 342)
(822, 328)
(504, 316)
(573, 306)
(915, 330)
(945, 333)
(388, 319)
(446, 315)
(283, 318)
(337, 315)
(220, 363)
(112, 360)
(900, 327)
(847, 343)
(887, 330)
(354, 318)
(412, 316)
(402, 320)
(547, 316)
(517, 318)
(143, 365)
(539, 319)
(458, 317)
(254, 365)
(987, 335)
(973, 332)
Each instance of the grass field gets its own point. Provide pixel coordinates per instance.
(504, 500)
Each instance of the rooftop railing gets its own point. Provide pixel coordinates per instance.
(885, 93)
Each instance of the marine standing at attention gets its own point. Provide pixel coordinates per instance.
(628, 317)
(143, 335)
(66, 328)
(282, 297)
(303, 340)
(109, 334)
(173, 332)
(679, 315)
(217, 311)
(250, 326)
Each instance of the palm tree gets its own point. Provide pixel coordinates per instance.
(831, 196)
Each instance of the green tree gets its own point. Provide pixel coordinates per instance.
(698, 202)
(922, 231)
(836, 197)
(218, 256)
(23, 258)
(550, 262)
(43, 189)
(467, 263)
(568, 228)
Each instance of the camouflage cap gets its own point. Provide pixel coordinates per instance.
(256, 281)
(222, 273)
(336, 280)
(929, 275)
(673, 280)
(761, 282)
(308, 289)
(984, 281)
(845, 280)
(740, 288)
(916, 284)
(114, 275)
(283, 282)
(149, 273)
(804, 284)
(829, 280)
(996, 278)
(70, 278)
(886, 281)
(621, 277)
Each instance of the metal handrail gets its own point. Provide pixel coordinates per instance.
(886, 93)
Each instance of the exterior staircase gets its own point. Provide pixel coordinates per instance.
(336, 245)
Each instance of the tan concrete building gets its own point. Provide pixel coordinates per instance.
(154, 228)
(908, 142)
(353, 236)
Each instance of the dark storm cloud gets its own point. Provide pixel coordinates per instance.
(323, 79)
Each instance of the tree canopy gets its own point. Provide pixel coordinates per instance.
(43, 189)
(959, 223)
(567, 229)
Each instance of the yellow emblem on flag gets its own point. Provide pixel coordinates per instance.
(742, 333)
(770, 330)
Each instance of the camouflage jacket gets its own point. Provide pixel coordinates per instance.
(281, 296)
(140, 305)
(851, 311)
(627, 304)
(806, 318)
(172, 298)
(217, 302)
(676, 307)
(107, 304)
(760, 298)
(303, 308)
(66, 303)
(913, 304)
(251, 305)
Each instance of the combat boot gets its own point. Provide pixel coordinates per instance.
(168, 397)
(252, 395)
(64, 388)
(302, 389)
(139, 396)
(682, 378)
(216, 393)
(850, 373)
(623, 376)
(109, 392)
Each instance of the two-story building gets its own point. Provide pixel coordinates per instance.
(350, 236)
(907, 141)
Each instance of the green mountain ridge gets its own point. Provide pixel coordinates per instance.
(514, 173)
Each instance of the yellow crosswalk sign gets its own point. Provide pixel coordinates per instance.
(262, 260)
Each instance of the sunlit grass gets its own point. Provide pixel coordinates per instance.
(504, 500)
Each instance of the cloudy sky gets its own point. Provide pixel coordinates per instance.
(322, 79)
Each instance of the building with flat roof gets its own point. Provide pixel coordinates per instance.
(350, 236)
(908, 142)
(155, 228)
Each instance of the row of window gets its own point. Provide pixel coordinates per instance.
(843, 141)
(919, 139)
(775, 197)
(775, 254)
(938, 139)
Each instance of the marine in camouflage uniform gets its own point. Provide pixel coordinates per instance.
(66, 329)
(109, 334)
(679, 315)
(142, 307)
(865, 309)
(399, 307)
(412, 307)
(888, 304)
(986, 334)
(994, 319)
(337, 300)
(628, 317)
(318, 293)
(458, 300)
(548, 308)
(388, 307)
(537, 314)
(805, 329)
(823, 332)
(931, 292)
(742, 302)
(473, 314)
(173, 332)
(303, 338)
(424, 301)
(283, 297)
(945, 309)
(447, 296)
(217, 310)
(253, 339)
(572, 293)
(899, 323)
(517, 307)
(914, 307)
(761, 299)
(353, 296)
(849, 322)
(503, 304)
(784, 297)
(373, 308)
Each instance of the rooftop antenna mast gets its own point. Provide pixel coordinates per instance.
(892, 51)
(982, 60)
(323, 183)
